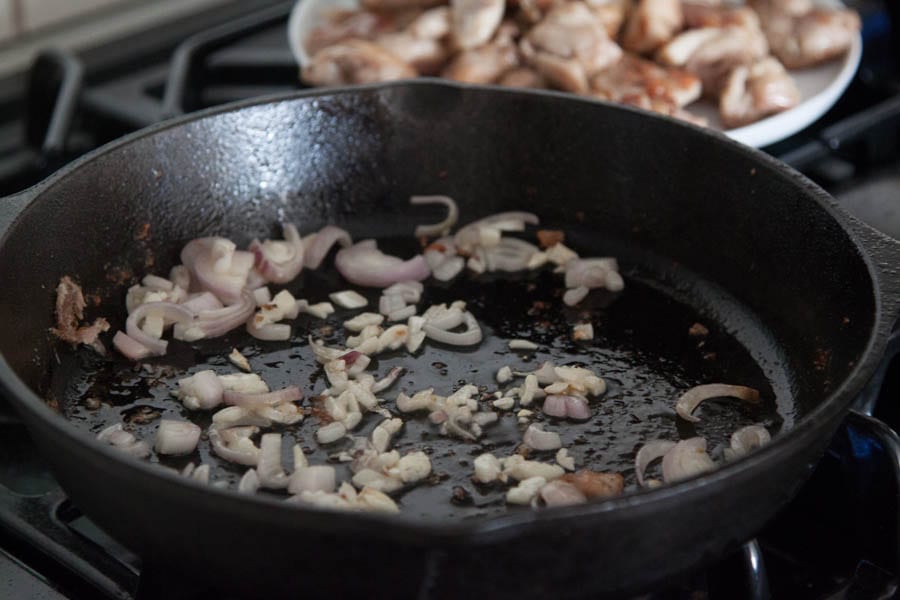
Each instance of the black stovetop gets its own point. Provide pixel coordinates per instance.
(840, 538)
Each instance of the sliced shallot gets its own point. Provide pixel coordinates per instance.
(130, 347)
(364, 264)
(279, 261)
(692, 398)
(686, 459)
(216, 266)
(319, 244)
(444, 226)
(234, 444)
(169, 312)
(647, 454)
(291, 393)
(746, 439)
(471, 336)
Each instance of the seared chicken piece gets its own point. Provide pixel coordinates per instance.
(344, 25)
(487, 63)
(523, 77)
(754, 92)
(712, 53)
(611, 13)
(354, 62)
(699, 14)
(792, 8)
(813, 38)
(634, 77)
(568, 46)
(474, 22)
(662, 107)
(651, 24)
(425, 55)
(433, 24)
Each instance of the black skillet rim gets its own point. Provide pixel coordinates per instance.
(503, 526)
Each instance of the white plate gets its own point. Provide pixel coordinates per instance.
(820, 86)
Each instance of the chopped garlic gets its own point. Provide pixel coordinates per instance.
(376, 501)
(331, 433)
(582, 332)
(505, 403)
(320, 310)
(528, 390)
(413, 467)
(363, 320)
(415, 341)
(504, 375)
(518, 468)
(299, 457)
(376, 480)
(525, 491)
(564, 460)
(239, 360)
(287, 304)
(522, 345)
(537, 260)
(245, 383)
(349, 299)
(262, 296)
(487, 468)
(418, 401)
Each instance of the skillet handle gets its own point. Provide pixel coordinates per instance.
(884, 253)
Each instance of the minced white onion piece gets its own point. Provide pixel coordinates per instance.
(330, 433)
(320, 310)
(575, 295)
(312, 478)
(522, 345)
(402, 314)
(246, 383)
(561, 493)
(348, 299)
(538, 439)
(239, 360)
(582, 332)
(176, 437)
(201, 391)
(363, 320)
(268, 467)
(234, 444)
(249, 482)
(525, 491)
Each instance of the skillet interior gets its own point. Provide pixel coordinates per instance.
(353, 159)
(647, 187)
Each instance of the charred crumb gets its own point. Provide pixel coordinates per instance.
(143, 233)
(698, 330)
(461, 496)
(142, 415)
(550, 237)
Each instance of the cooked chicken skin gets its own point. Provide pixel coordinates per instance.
(346, 25)
(523, 77)
(813, 38)
(433, 24)
(488, 62)
(698, 14)
(757, 91)
(651, 24)
(474, 22)
(568, 46)
(611, 13)
(712, 53)
(354, 62)
(425, 55)
(634, 77)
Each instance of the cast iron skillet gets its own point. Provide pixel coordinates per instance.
(711, 228)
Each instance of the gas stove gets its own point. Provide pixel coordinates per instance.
(839, 538)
